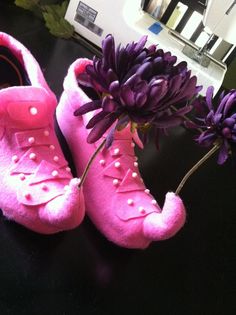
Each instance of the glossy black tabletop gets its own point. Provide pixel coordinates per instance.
(80, 272)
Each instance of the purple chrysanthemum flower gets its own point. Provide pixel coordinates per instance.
(138, 85)
(218, 123)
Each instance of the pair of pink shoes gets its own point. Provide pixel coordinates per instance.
(37, 188)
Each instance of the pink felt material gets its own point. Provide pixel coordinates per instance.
(116, 198)
(37, 189)
(40, 138)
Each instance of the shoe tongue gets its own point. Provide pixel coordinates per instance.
(26, 106)
(137, 140)
(126, 134)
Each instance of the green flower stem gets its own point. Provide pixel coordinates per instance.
(99, 148)
(196, 166)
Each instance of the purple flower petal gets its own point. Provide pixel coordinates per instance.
(133, 80)
(109, 105)
(95, 119)
(188, 89)
(130, 73)
(145, 70)
(111, 76)
(140, 44)
(110, 137)
(108, 46)
(175, 84)
(230, 122)
(122, 123)
(206, 138)
(141, 87)
(216, 118)
(88, 107)
(226, 133)
(141, 57)
(156, 93)
(127, 96)
(230, 102)
(95, 78)
(222, 104)
(223, 154)
(198, 89)
(140, 99)
(101, 127)
(90, 70)
(181, 67)
(221, 96)
(186, 92)
(209, 96)
(114, 88)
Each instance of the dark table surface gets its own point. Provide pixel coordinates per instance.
(80, 272)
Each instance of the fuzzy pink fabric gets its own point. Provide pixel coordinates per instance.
(115, 196)
(36, 187)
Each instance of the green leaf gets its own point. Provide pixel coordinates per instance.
(55, 22)
(57, 10)
(58, 26)
(53, 15)
(27, 4)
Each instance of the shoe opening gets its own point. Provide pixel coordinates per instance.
(90, 92)
(12, 72)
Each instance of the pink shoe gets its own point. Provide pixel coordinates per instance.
(116, 199)
(36, 187)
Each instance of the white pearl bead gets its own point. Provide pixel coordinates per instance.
(32, 156)
(46, 133)
(27, 195)
(68, 169)
(141, 210)
(130, 202)
(55, 173)
(55, 158)
(134, 175)
(132, 145)
(117, 164)
(116, 151)
(22, 176)
(15, 158)
(44, 187)
(52, 147)
(154, 202)
(147, 191)
(135, 164)
(102, 162)
(115, 182)
(31, 140)
(33, 111)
